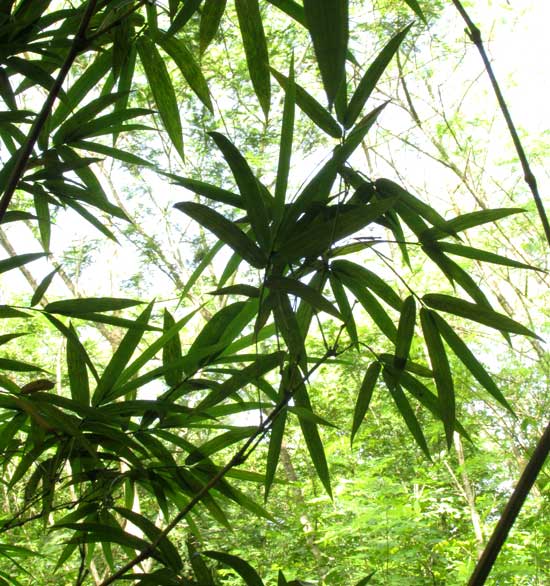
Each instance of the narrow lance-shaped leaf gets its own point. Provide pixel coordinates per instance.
(255, 48)
(327, 22)
(285, 148)
(371, 77)
(184, 15)
(364, 396)
(44, 221)
(171, 352)
(18, 261)
(415, 7)
(212, 12)
(226, 231)
(190, 69)
(274, 450)
(249, 189)
(201, 570)
(78, 374)
(469, 360)
(477, 313)
(89, 305)
(442, 372)
(162, 90)
(244, 569)
(405, 332)
(305, 292)
(406, 411)
(311, 107)
(345, 308)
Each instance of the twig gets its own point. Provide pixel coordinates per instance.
(238, 458)
(475, 36)
(79, 42)
(513, 507)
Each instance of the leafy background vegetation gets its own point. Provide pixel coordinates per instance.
(273, 310)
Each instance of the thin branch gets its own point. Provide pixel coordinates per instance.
(511, 511)
(79, 43)
(475, 35)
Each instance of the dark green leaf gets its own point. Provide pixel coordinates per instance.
(78, 374)
(303, 291)
(226, 231)
(469, 360)
(18, 366)
(255, 48)
(171, 351)
(96, 147)
(364, 396)
(17, 261)
(405, 332)
(183, 16)
(244, 569)
(190, 69)
(442, 372)
(206, 190)
(371, 77)
(81, 306)
(218, 443)
(482, 255)
(274, 450)
(477, 313)
(162, 90)
(249, 189)
(5, 338)
(246, 290)
(311, 107)
(212, 13)
(200, 569)
(345, 308)
(327, 22)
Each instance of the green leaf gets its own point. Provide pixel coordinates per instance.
(405, 332)
(163, 91)
(96, 147)
(190, 69)
(477, 313)
(171, 351)
(323, 232)
(311, 107)
(18, 366)
(469, 360)
(43, 287)
(246, 290)
(200, 569)
(303, 291)
(218, 443)
(370, 79)
(406, 411)
(42, 210)
(327, 22)
(345, 308)
(483, 255)
(184, 15)
(274, 450)
(85, 305)
(5, 338)
(226, 231)
(120, 359)
(255, 48)
(364, 396)
(243, 377)
(165, 546)
(212, 13)
(368, 279)
(212, 192)
(18, 261)
(7, 312)
(470, 220)
(367, 579)
(285, 147)
(244, 569)
(249, 189)
(78, 374)
(442, 372)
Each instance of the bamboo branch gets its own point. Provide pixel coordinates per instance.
(79, 43)
(238, 458)
(475, 35)
(511, 511)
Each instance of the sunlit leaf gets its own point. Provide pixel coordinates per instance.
(364, 396)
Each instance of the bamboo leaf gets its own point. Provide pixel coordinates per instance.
(249, 189)
(85, 305)
(477, 313)
(246, 290)
(285, 147)
(405, 332)
(212, 13)
(162, 90)
(364, 397)
(305, 292)
(18, 261)
(184, 15)
(226, 231)
(78, 374)
(370, 79)
(311, 107)
(469, 360)
(207, 190)
(201, 570)
(345, 308)
(415, 7)
(274, 450)
(327, 22)
(190, 69)
(244, 569)
(406, 411)
(255, 48)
